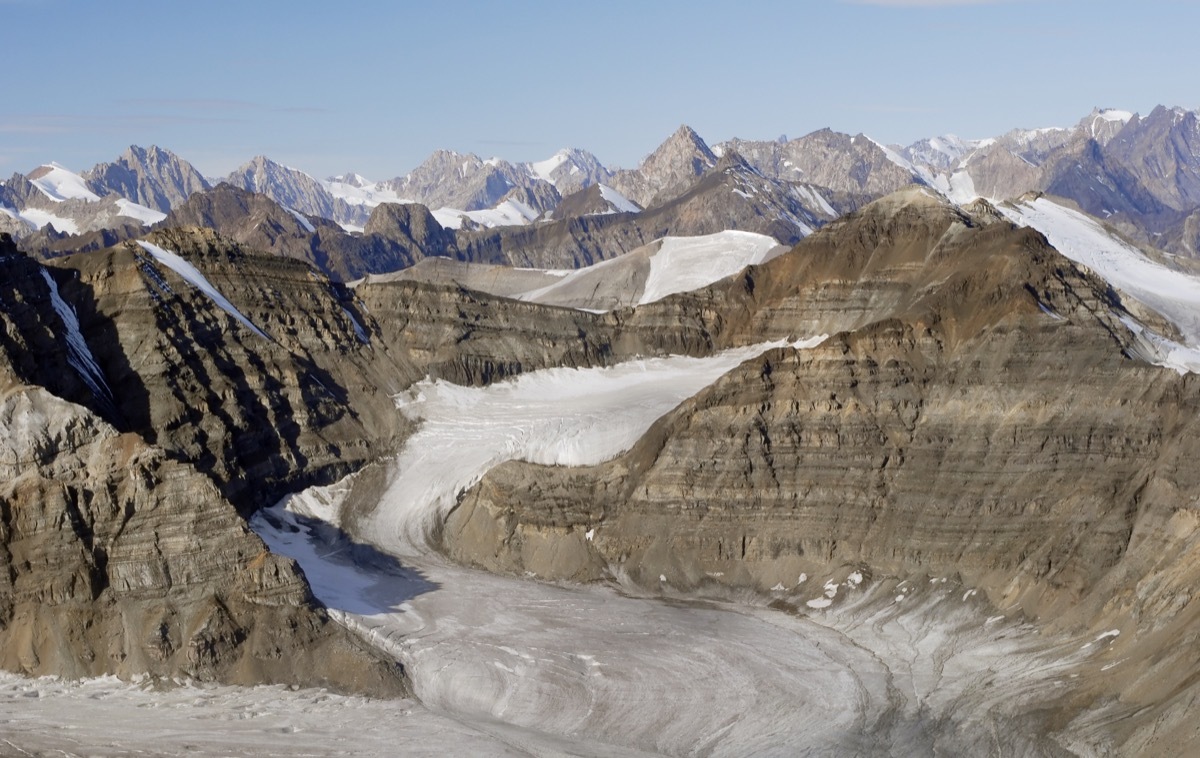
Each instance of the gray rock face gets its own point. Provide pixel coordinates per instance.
(295, 189)
(152, 177)
(121, 556)
(1141, 174)
(467, 182)
(675, 165)
(1162, 151)
(395, 236)
(828, 159)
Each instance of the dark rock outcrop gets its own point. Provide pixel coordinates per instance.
(120, 555)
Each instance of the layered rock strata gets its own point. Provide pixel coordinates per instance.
(975, 413)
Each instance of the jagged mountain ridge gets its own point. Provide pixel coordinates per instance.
(153, 177)
(1140, 173)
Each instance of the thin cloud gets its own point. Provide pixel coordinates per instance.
(221, 105)
(77, 123)
(890, 108)
(196, 104)
(37, 124)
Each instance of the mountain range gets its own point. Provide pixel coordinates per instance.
(1140, 174)
(763, 447)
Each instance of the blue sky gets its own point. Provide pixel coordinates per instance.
(376, 86)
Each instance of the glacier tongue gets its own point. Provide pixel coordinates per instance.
(79, 355)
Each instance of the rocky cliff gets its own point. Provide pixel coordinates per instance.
(120, 555)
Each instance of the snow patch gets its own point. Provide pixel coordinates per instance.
(192, 276)
(39, 218)
(359, 331)
(619, 202)
(147, 216)
(508, 213)
(544, 170)
(304, 222)
(59, 184)
(683, 264)
(79, 355)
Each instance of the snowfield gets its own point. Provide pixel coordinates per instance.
(680, 264)
(1174, 294)
(146, 216)
(559, 416)
(507, 213)
(58, 184)
(684, 264)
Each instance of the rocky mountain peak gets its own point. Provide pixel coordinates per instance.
(684, 145)
(294, 189)
(570, 170)
(674, 165)
(153, 177)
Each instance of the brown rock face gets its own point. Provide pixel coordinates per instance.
(309, 400)
(117, 559)
(127, 475)
(120, 556)
(974, 415)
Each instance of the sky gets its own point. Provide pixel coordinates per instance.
(374, 87)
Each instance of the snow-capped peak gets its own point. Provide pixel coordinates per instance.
(59, 183)
(1112, 114)
(545, 169)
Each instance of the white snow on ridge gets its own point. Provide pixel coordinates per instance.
(810, 196)
(897, 158)
(147, 216)
(508, 213)
(58, 183)
(192, 276)
(683, 264)
(369, 194)
(79, 355)
(40, 218)
(559, 416)
(1174, 294)
(304, 222)
(619, 201)
(544, 169)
